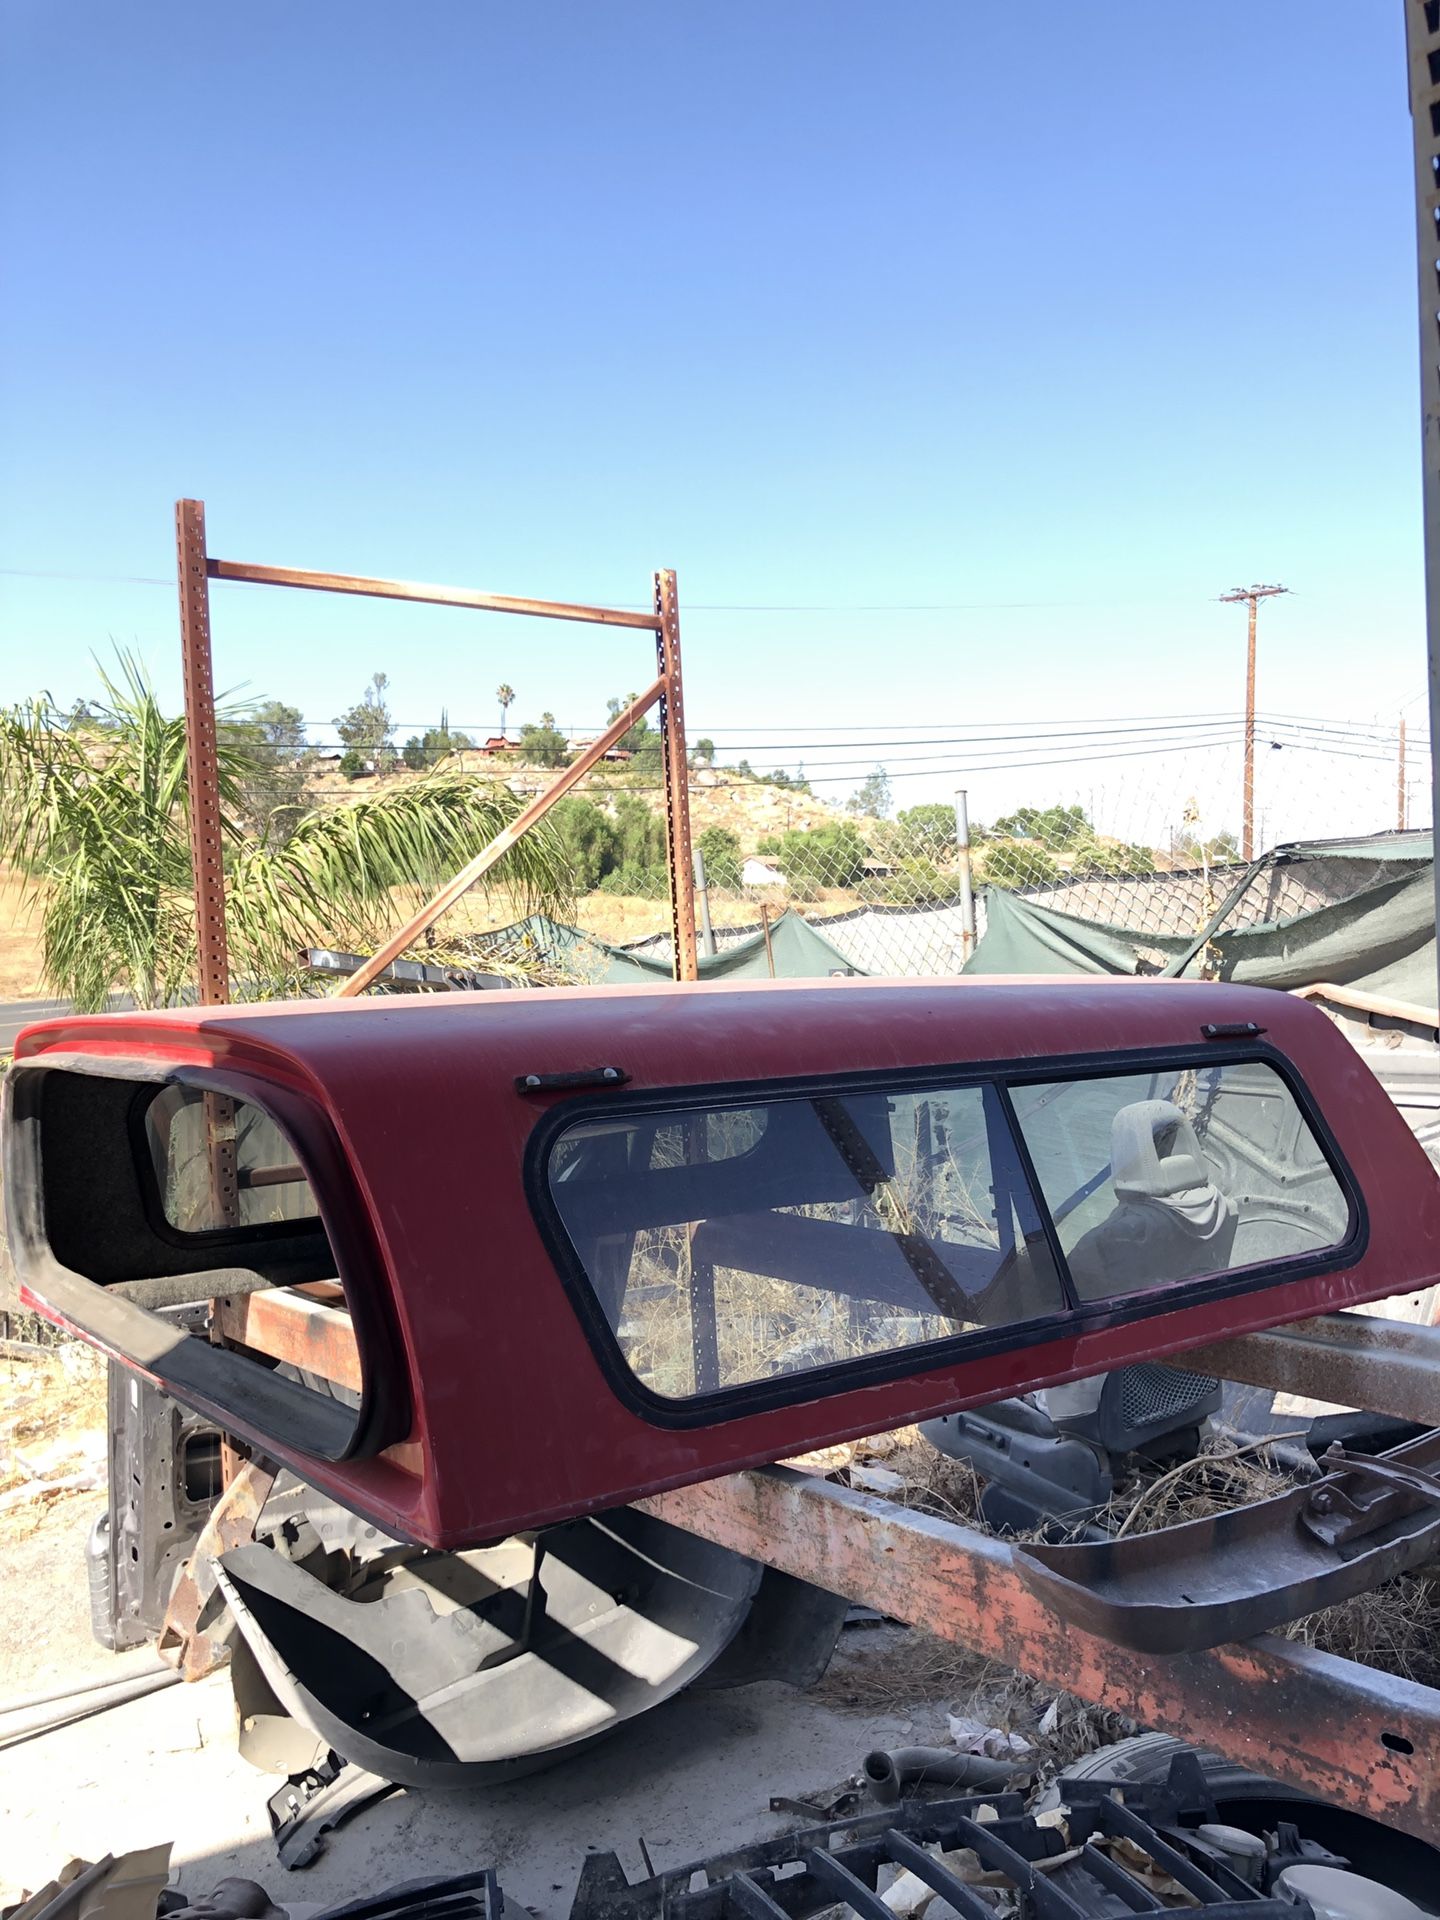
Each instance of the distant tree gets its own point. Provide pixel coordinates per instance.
(642, 741)
(928, 830)
(353, 764)
(366, 728)
(413, 754)
(591, 841)
(437, 743)
(702, 754)
(769, 845)
(872, 796)
(1057, 827)
(545, 745)
(792, 783)
(1214, 850)
(641, 868)
(744, 769)
(505, 694)
(272, 796)
(829, 856)
(720, 850)
(1018, 863)
(1111, 857)
(916, 882)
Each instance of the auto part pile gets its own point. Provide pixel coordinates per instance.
(1099, 1849)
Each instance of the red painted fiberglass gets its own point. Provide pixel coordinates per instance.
(464, 1210)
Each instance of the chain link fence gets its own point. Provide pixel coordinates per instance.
(1152, 853)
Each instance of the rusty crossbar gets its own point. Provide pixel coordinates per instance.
(497, 848)
(1350, 1359)
(1325, 1725)
(258, 576)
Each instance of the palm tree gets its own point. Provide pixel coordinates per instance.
(95, 814)
(505, 694)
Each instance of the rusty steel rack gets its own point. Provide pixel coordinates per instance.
(197, 567)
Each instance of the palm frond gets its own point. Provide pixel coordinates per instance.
(334, 879)
(97, 815)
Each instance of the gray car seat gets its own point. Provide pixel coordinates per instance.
(1170, 1220)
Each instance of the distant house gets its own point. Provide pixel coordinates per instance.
(760, 873)
(498, 744)
(619, 754)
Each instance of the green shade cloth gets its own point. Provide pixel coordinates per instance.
(1380, 940)
(800, 951)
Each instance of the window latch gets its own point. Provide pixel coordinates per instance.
(1230, 1029)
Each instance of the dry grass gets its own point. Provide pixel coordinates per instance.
(52, 1427)
(1395, 1628)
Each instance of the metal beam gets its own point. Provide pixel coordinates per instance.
(292, 1327)
(258, 576)
(677, 778)
(1422, 41)
(1351, 1359)
(1327, 1726)
(202, 774)
(497, 848)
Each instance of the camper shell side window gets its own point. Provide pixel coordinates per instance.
(749, 1244)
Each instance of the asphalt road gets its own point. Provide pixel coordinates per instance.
(15, 1014)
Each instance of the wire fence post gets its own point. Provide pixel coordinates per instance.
(967, 888)
(702, 900)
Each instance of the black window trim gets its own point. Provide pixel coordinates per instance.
(153, 1200)
(820, 1383)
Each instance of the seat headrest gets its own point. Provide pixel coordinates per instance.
(1154, 1152)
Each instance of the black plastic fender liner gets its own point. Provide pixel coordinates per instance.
(454, 1669)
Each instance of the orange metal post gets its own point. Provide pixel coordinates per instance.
(201, 768)
(677, 778)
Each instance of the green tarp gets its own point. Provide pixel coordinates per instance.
(1380, 940)
(798, 950)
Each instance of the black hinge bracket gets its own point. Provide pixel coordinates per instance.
(567, 1082)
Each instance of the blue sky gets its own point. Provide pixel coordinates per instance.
(1053, 326)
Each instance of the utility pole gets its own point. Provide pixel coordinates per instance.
(1400, 782)
(1252, 596)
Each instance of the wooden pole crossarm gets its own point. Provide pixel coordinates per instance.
(500, 845)
(243, 571)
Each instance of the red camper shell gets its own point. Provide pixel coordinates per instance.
(551, 1251)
